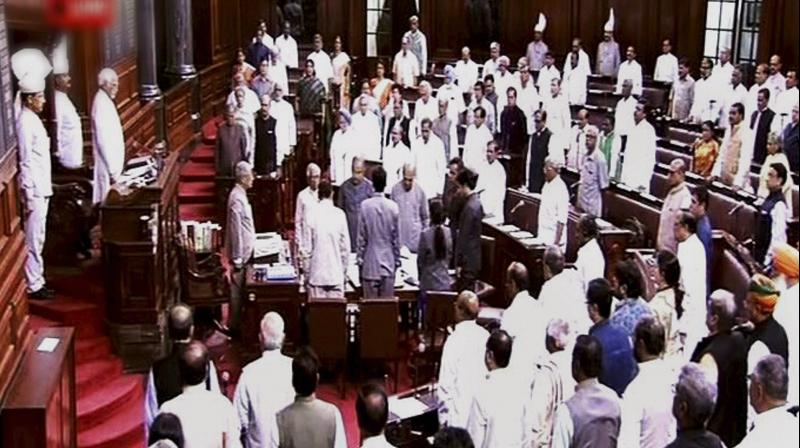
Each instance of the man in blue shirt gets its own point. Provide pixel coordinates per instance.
(619, 366)
(698, 209)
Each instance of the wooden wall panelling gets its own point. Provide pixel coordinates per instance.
(178, 115)
(779, 33)
(214, 88)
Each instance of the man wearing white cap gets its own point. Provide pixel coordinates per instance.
(490, 66)
(108, 140)
(608, 57)
(68, 122)
(419, 44)
(537, 48)
(31, 67)
(452, 93)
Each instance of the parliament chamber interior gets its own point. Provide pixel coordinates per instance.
(399, 223)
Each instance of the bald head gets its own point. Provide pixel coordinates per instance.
(517, 278)
(181, 323)
(193, 363)
(372, 409)
(677, 172)
(467, 306)
(553, 260)
(272, 331)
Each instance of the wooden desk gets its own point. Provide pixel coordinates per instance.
(261, 297)
(40, 408)
(141, 269)
(413, 431)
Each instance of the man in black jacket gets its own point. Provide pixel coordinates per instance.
(266, 155)
(514, 136)
(791, 140)
(468, 241)
(538, 151)
(761, 124)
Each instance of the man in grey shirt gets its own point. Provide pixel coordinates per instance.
(240, 238)
(378, 247)
(351, 194)
(413, 206)
(594, 177)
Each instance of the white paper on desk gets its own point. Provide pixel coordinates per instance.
(508, 228)
(522, 234)
(48, 345)
(406, 407)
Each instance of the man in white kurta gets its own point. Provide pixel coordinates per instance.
(583, 58)
(323, 67)
(490, 66)
(787, 100)
(413, 206)
(108, 141)
(692, 259)
(34, 164)
(630, 69)
(562, 295)
(503, 79)
(640, 152)
(462, 368)
(559, 117)
(666, 64)
(546, 76)
(528, 98)
(68, 122)
(553, 208)
(492, 184)
(524, 321)
(287, 47)
(265, 385)
(405, 66)
(427, 153)
(735, 92)
(479, 100)
(575, 82)
(623, 113)
(451, 93)
(252, 103)
(285, 126)
(591, 263)
(327, 248)
(478, 136)
(366, 126)
(395, 155)
(307, 199)
(760, 78)
(577, 141)
(708, 96)
(207, 418)
(466, 71)
(341, 150)
(721, 73)
(426, 105)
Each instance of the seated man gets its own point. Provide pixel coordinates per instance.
(291, 426)
(207, 418)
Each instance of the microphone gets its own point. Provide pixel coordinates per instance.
(736, 208)
(516, 207)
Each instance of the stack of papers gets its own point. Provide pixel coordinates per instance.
(267, 244)
(521, 234)
(281, 272)
(508, 228)
(405, 408)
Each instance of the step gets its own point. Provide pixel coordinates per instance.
(196, 193)
(195, 171)
(92, 376)
(123, 428)
(210, 130)
(197, 212)
(203, 154)
(39, 322)
(92, 349)
(93, 409)
(86, 317)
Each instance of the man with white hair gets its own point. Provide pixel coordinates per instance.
(466, 71)
(231, 144)
(307, 199)
(426, 105)
(419, 44)
(769, 385)
(721, 73)
(413, 206)
(240, 237)
(452, 94)
(366, 125)
(265, 385)
(537, 48)
(552, 384)
(445, 124)
(594, 177)
(326, 250)
(723, 353)
(108, 140)
(490, 66)
(694, 403)
(554, 207)
(251, 102)
(677, 200)
(395, 155)
(286, 126)
(266, 158)
(341, 149)
(405, 66)
(31, 67)
(503, 79)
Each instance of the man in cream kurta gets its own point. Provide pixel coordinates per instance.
(427, 154)
(68, 122)
(640, 152)
(736, 151)
(678, 200)
(492, 184)
(286, 126)
(554, 207)
(108, 140)
(630, 69)
(307, 199)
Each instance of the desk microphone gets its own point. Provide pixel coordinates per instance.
(516, 207)
(736, 208)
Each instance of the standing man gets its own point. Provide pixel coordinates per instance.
(592, 416)
(791, 140)
(736, 152)
(263, 83)
(594, 177)
(762, 122)
(266, 156)
(630, 69)
(554, 208)
(444, 125)
(514, 135)
(68, 122)
(287, 46)
(610, 144)
(405, 66)
(695, 397)
(468, 239)
(760, 78)
(678, 200)
(492, 184)
(108, 142)
(398, 119)
(490, 66)
(667, 64)
(692, 260)
(307, 199)
(352, 193)
(231, 144)
(776, 80)
(419, 44)
(426, 105)
(478, 136)
(413, 207)
(583, 59)
(577, 141)
(682, 93)
(395, 156)
(427, 153)
(559, 117)
(608, 57)
(523, 320)
(547, 73)
(541, 147)
(537, 48)
(787, 98)
(623, 115)
(378, 246)
(735, 92)
(528, 98)
(327, 247)
(707, 99)
(721, 74)
(591, 262)
(769, 384)
(372, 412)
(640, 152)
(31, 67)
(286, 126)
(772, 215)
(466, 71)
(322, 62)
(240, 238)
(462, 368)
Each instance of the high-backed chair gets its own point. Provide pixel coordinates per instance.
(379, 333)
(327, 333)
(439, 315)
(203, 282)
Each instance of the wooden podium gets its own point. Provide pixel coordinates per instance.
(141, 265)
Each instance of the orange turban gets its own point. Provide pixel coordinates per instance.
(785, 261)
(765, 292)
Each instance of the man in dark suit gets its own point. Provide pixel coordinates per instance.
(761, 124)
(378, 241)
(231, 144)
(266, 155)
(468, 241)
(538, 150)
(791, 141)
(397, 117)
(514, 136)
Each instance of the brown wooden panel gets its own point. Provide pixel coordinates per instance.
(178, 115)
(779, 33)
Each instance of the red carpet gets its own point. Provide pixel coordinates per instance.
(109, 402)
(196, 189)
